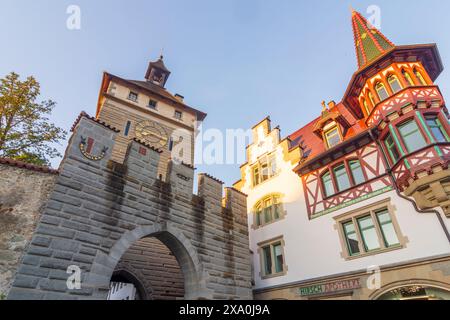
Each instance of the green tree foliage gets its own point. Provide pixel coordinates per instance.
(25, 131)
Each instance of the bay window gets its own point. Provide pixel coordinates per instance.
(437, 129)
(392, 148)
(411, 135)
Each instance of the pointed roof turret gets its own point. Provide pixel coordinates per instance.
(370, 43)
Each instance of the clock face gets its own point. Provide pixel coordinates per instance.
(151, 133)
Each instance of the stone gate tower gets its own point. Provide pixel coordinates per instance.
(116, 187)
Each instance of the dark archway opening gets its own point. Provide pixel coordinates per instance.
(148, 270)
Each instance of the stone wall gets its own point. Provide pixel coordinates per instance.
(99, 208)
(23, 193)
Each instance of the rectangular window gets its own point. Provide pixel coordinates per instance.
(327, 185)
(392, 148)
(357, 172)
(368, 233)
(437, 129)
(256, 175)
(278, 257)
(351, 238)
(342, 180)
(387, 228)
(152, 104)
(333, 138)
(268, 217)
(258, 216)
(272, 259)
(267, 260)
(170, 144)
(411, 135)
(133, 96)
(273, 165)
(264, 171)
(127, 129)
(178, 115)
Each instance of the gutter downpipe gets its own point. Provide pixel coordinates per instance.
(389, 171)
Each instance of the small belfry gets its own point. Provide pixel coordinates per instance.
(370, 43)
(157, 72)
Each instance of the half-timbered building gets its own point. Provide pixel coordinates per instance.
(356, 204)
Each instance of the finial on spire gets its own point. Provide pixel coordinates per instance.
(352, 10)
(161, 55)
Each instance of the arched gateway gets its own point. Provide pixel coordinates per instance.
(99, 209)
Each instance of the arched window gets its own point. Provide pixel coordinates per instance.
(366, 106)
(268, 210)
(372, 101)
(420, 77)
(407, 77)
(381, 90)
(394, 83)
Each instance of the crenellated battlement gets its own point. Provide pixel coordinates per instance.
(100, 207)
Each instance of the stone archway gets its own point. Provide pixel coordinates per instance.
(104, 265)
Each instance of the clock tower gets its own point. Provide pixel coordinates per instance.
(146, 111)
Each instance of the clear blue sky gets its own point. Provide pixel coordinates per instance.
(239, 61)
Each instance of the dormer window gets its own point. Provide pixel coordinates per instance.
(333, 137)
(394, 83)
(382, 92)
(133, 96)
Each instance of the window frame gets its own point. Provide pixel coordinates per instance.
(276, 207)
(133, 93)
(270, 161)
(404, 123)
(151, 106)
(395, 79)
(407, 76)
(390, 147)
(437, 124)
(420, 77)
(371, 210)
(127, 128)
(322, 184)
(271, 244)
(333, 179)
(326, 136)
(378, 87)
(346, 172)
(176, 113)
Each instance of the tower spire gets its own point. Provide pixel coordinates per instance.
(370, 43)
